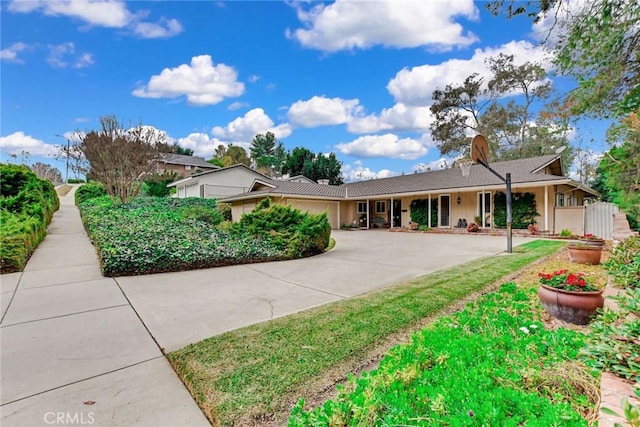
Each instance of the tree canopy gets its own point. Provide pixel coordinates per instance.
(268, 155)
(301, 161)
(121, 158)
(229, 156)
(502, 110)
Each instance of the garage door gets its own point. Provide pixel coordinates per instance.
(314, 206)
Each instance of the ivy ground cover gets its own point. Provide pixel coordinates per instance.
(153, 235)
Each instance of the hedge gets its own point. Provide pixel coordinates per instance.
(27, 204)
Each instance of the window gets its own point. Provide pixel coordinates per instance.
(362, 207)
(560, 199)
(187, 167)
(487, 203)
(381, 206)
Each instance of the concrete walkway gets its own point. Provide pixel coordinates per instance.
(74, 350)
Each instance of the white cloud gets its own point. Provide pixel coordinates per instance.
(201, 144)
(18, 142)
(63, 55)
(242, 130)
(321, 111)
(101, 13)
(441, 163)
(415, 86)
(358, 172)
(557, 20)
(387, 145)
(202, 82)
(237, 105)
(10, 54)
(81, 120)
(254, 78)
(398, 118)
(153, 30)
(348, 24)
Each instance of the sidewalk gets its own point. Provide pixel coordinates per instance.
(73, 350)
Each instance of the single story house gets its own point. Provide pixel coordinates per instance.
(223, 182)
(183, 165)
(388, 201)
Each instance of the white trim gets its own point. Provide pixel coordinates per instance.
(481, 199)
(546, 207)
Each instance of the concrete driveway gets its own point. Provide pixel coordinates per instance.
(186, 307)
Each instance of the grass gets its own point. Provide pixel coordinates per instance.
(257, 372)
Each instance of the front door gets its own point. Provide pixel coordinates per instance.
(444, 208)
(397, 213)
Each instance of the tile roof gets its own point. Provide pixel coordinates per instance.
(181, 159)
(522, 171)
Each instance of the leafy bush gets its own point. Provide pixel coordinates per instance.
(613, 342)
(298, 233)
(89, 191)
(490, 364)
(523, 210)
(75, 181)
(27, 204)
(624, 262)
(156, 185)
(152, 235)
(225, 211)
(419, 212)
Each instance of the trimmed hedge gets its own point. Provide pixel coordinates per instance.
(27, 204)
(89, 191)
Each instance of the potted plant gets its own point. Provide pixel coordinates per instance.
(582, 253)
(570, 297)
(472, 227)
(591, 240)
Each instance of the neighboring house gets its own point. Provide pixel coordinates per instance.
(182, 165)
(386, 201)
(223, 182)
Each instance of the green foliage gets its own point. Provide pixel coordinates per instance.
(27, 204)
(268, 154)
(297, 233)
(523, 210)
(491, 364)
(419, 212)
(156, 185)
(624, 263)
(89, 191)
(225, 211)
(216, 162)
(566, 233)
(152, 235)
(613, 341)
(301, 161)
(75, 181)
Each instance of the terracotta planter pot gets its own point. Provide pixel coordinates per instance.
(595, 243)
(585, 254)
(573, 307)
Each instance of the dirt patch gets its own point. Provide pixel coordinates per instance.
(63, 190)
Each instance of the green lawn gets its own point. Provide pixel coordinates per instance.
(257, 372)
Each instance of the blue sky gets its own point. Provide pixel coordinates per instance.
(354, 78)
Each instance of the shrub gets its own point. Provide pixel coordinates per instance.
(298, 233)
(624, 263)
(156, 185)
(27, 204)
(523, 210)
(75, 181)
(225, 211)
(419, 212)
(89, 191)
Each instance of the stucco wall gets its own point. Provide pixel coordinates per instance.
(570, 218)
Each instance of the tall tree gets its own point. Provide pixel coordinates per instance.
(234, 154)
(121, 158)
(267, 154)
(301, 161)
(184, 151)
(596, 42)
(502, 111)
(72, 154)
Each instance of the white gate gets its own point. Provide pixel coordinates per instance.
(598, 219)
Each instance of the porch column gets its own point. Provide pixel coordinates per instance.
(368, 209)
(339, 219)
(391, 213)
(546, 208)
(429, 210)
(483, 209)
